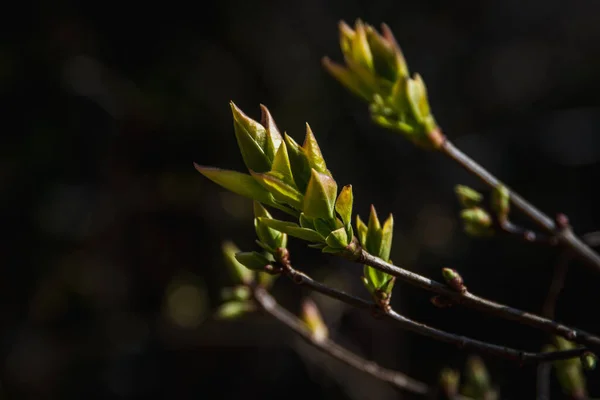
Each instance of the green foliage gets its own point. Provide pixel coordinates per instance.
(375, 70)
(377, 240)
(467, 197)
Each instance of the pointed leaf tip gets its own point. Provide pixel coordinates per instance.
(237, 182)
(319, 200)
(313, 152)
(343, 204)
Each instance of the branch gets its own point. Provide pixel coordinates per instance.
(565, 236)
(525, 234)
(480, 303)
(462, 342)
(397, 379)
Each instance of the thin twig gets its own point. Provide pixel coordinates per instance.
(462, 342)
(525, 234)
(397, 379)
(565, 236)
(480, 303)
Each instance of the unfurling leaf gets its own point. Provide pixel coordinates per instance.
(417, 98)
(314, 321)
(362, 229)
(348, 78)
(374, 234)
(467, 197)
(338, 239)
(237, 182)
(274, 138)
(377, 240)
(280, 190)
(234, 309)
(387, 233)
(237, 271)
(319, 200)
(293, 229)
(281, 167)
(307, 222)
(343, 204)
(252, 140)
(361, 52)
(270, 239)
(253, 260)
(299, 163)
(313, 152)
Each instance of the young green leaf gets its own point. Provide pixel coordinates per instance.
(361, 51)
(293, 229)
(343, 204)
(237, 182)
(269, 238)
(337, 239)
(319, 200)
(376, 277)
(362, 229)
(313, 152)
(274, 138)
(281, 167)
(417, 99)
(384, 55)
(467, 197)
(234, 309)
(386, 238)
(347, 78)
(373, 241)
(251, 138)
(298, 162)
(307, 222)
(237, 271)
(280, 190)
(252, 260)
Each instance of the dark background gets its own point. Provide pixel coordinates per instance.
(111, 262)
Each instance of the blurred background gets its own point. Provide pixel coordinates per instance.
(111, 260)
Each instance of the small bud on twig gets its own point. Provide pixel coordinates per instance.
(454, 280)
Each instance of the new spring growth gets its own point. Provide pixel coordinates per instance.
(268, 238)
(237, 298)
(467, 197)
(292, 178)
(377, 240)
(238, 272)
(313, 320)
(501, 202)
(375, 70)
(477, 222)
(454, 280)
